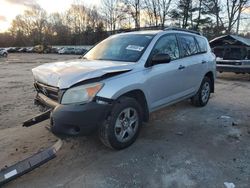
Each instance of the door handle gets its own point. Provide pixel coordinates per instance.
(181, 67)
(203, 62)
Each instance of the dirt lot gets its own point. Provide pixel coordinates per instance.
(181, 146)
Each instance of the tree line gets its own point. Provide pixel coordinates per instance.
(84, 25)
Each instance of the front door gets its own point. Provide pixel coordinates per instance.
(164, 81)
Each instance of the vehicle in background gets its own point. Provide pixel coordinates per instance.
(15, 49)
(11, 49)
(80, 51)
(54, 50)
(22, 49)
(67, 50)
(120, 81)
(3, 52)
(232, 53)
(42, 48)
(8, 49)
(30, 50)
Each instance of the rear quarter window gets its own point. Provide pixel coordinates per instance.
(202, 44)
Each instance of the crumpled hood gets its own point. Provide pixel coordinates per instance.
(67, 73)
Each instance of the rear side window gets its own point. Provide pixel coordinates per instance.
(188, 45)
(202, 44)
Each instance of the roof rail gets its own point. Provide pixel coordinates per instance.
(181, 29)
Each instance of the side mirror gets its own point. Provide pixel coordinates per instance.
(160, 59)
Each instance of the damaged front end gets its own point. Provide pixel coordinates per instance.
(70, 117)
(67, 93)
(47, 98)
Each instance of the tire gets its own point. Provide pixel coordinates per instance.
(122, 127)
(5, 55)
(201, 98)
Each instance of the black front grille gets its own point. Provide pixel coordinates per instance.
(49, 91)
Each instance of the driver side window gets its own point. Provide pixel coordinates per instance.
(167, 45)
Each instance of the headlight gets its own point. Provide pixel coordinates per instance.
(79, 94)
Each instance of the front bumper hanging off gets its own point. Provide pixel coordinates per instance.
(37, 119)
(75, 119)
(41, 100)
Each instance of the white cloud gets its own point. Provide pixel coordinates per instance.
(3, 18)
(27, 3)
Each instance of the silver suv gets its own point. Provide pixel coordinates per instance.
(121, 80)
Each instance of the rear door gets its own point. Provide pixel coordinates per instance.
(192, 61)
(205, 51)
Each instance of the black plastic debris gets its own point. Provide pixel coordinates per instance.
(9, 173)
(37, 119)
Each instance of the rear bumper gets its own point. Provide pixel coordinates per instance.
(233, 68)
(75, 119)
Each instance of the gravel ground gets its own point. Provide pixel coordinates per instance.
(181, 146)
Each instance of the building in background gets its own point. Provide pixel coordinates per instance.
(232, 53)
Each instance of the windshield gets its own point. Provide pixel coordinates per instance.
(129, 47)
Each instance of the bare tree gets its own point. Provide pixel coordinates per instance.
(150, 7)
(112, 12)
(133, 7)
(60, 32)
(234, 9)
(93, 18)
(76, 17)
(32, 23)
(199, 8)
(215, 8)
(163, 7)
(183, 12)
(81, 24)
(242, 9)
(200, 15)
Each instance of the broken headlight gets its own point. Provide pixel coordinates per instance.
(81, 94)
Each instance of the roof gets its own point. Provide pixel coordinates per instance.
(146, 32)
(181, 29)
(155, 32)
(231, 39)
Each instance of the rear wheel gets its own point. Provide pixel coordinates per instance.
(5, 54)
(202, 96)
(122, 127)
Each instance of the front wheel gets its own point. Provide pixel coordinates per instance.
(122, 127)
(201, 98)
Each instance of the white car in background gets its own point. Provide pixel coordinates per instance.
(67, 50)
(3, 52)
